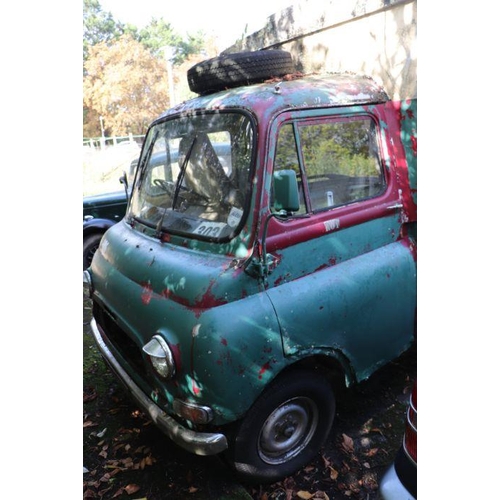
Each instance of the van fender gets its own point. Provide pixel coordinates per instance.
(96, 225)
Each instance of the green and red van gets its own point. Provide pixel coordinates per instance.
(269, 255)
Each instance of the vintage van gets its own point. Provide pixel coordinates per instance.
(270, 258)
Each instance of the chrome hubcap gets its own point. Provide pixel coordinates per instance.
(288, 430)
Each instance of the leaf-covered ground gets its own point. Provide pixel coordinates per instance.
(126, 457)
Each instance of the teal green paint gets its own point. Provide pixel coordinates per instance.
(409, 139)
(364, 307)
(346, 292)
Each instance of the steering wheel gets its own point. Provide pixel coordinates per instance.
(167, 186)
(198, 195)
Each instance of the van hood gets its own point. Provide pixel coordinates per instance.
(163, 271)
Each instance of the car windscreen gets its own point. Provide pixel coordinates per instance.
(194, 175)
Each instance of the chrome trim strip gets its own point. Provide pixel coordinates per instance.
(200, 443)
(409, 420)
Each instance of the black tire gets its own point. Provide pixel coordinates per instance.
(90, 246)
(285, 428)
(240, 68)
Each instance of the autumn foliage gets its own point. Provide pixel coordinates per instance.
(124, 84)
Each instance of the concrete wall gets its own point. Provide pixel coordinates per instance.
(373, 37)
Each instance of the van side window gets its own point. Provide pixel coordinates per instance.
(339, 161)
(287, 158)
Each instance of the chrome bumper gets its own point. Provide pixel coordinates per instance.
(200, 443)
(391, 487)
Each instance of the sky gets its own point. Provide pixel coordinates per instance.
(226, 19)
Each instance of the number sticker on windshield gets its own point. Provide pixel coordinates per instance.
(234, 217)
(211, 229)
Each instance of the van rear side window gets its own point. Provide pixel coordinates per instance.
(337, 161)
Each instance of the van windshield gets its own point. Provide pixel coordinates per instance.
(194, 173)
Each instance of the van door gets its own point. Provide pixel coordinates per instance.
(344, 277)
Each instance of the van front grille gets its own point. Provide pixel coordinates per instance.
(119, 340)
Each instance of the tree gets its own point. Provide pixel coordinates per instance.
(113, 89)
(98, 26)
(158, 34)
(126, 85)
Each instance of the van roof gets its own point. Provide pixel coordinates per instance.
(327, 90)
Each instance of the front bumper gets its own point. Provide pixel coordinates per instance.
(200, 443)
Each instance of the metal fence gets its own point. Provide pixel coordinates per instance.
(102, 142)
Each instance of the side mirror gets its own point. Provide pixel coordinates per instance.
(124, 181)
(285, 201)
(285, 191)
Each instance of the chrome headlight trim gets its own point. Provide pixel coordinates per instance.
(161, 356)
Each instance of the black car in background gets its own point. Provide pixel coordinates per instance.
(102, 211)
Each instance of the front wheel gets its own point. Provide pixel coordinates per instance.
(90, 246)
(284, 429)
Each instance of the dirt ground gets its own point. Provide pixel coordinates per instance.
(126, 457)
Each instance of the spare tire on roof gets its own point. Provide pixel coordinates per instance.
(240, 68)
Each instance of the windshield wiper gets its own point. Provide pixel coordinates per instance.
(177, 187)
(182, 171)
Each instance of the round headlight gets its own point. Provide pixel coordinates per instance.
(161, 357)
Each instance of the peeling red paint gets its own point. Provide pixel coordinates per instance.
(409, 243)
(176, 353)
(301, 230)
(413, 141)
(147, 293)
(264, 369)
(331, 262)
(195, 388)
(208, 300)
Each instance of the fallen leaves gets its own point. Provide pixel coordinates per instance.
(333, 474)
(119, 456)
(90, 396)
(129, 489)
(318, 495)
(347, 443)
(370, 453)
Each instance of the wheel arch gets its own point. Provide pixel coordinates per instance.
(96, 226)
(246, 454)
(334, 366)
